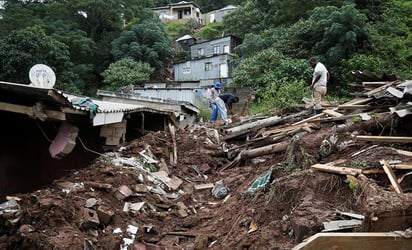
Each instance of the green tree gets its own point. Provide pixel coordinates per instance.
(211, 31)
(18, 14)
(391, 38)
(126, 72)
(146, 41)
(87, 27)
(268, 66)
(256, 16)
(22, 49)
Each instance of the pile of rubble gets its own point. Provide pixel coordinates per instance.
(258, 183)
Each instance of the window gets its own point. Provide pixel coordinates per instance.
(226, 49)
(200, 52)
(208, 66)
(187, 12)
(216, 50)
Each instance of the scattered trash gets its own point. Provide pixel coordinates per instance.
(220, 191)
(253, 227)
(347, 221)
(260, 182)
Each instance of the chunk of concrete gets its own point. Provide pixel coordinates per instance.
(105, 215)
(122, 192)
(89, 219)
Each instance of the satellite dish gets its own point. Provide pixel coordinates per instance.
(42, 76)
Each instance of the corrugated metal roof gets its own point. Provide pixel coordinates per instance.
(25, 94)
(104, 106)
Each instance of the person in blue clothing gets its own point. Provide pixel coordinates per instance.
(216, 103)
(229, 99)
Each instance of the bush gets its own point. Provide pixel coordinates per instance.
(126, 72)
(283, 94)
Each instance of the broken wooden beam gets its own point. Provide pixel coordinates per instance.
(381, 88)
(355, 106)
(247, 127)
(403, 152)
(397, 139)
(270, 149)
(332, 113)
(252, 153)
(374, 84)
(404, 166)
(204, 186)
(310, 119)
(336, 170)
(391, 176)
(365, 241)
(174, 155)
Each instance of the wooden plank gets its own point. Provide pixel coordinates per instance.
(204, 186)
(288, 129)
(403, 152)
(363, 150)
(355, 106)
(391, 176)
(377, 84)
(372, 92)
(337, 162)
(397, 139)
(336, 170)
(16, 108)
(364, 241)
(333, 113)
(20, 109)
(373, 171)
(308, 119)
(351, 215)
(173, 134)
(406, 165)
(358, 101)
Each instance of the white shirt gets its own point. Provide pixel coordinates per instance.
(320, 70)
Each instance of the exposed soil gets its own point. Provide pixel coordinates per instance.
(290, 208)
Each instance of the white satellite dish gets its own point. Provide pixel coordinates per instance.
(42, 76)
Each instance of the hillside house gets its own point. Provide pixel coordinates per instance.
(210, 61)
(181, 11)
(217, 15)
(185, 42)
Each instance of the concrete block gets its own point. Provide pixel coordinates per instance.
(122, 192)
(89, 219)
(105, 215)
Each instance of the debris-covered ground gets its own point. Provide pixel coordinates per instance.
(260, 183)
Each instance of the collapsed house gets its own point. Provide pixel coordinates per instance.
(47, 131)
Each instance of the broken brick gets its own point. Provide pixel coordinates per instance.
(89, 219)
(123, 192)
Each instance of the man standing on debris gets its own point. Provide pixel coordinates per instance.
(319, 83)
(216, 103)
(229, 99)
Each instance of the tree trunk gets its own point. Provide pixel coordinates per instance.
(270, 149)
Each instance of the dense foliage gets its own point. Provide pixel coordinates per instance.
(126, 72)
(86, 28)
(23, 48)
(345, 35)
